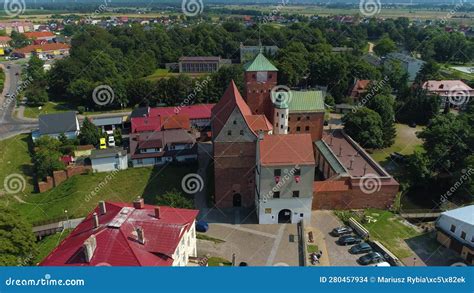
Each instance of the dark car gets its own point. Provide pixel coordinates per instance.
(363, 247)
(326, 123)
(373, 257)
(202, 226)
(398, 157)
(339, 231)
(348, 240)
(413, 125)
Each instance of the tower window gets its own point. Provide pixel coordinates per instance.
(296, 193)
(276, 194)
(277, 172)
(241, 132)
(229, 132)
(235, 122)
(298, 128)
(298, 119)
(307, 117)
(282, 116)
(281, 126)
(306, 128)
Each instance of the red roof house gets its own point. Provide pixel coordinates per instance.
(121, 234)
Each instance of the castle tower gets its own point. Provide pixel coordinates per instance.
(281, 113)
(260, 77)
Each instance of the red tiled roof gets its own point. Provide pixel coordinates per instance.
(118, 246)
(227, 104)
(448, 87)
(5, 39)
(143, 124)
(360, 87)
(34, 35)
(175, 122)
(202, 111)
(286, 149)
(43, 47)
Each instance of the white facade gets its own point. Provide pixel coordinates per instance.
(108, 164)
(299, 209)
(280, 121)
(458, 223)
(186, 247)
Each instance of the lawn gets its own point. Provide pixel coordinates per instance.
(218, 261)
(387, 228)
(312, 248)
(48, 108)
(158, 74)
(48, 243)
(406, 143)
(80, 194)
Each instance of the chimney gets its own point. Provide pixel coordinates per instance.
(89, 248)
(139, 203)
(140, 235)
(102, 208)
(157, 212)
(95, 217)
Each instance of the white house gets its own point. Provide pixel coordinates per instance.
(284, 178)
(456, 231)
(107, 160)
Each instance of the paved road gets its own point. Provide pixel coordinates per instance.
(9, 125)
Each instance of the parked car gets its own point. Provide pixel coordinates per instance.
(111, 141)
(398, 157)
(363, 247)
(339, 231)
(370, 258)
(349, 239)
(326, 123)
(102, 145)
(412, 125)
(202, 226)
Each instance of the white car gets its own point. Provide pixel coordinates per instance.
(111, 141)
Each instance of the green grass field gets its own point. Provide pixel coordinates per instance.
(48, 243)
(79, 194)
(48, 108)
(406, 143)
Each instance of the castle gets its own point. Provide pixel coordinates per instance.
(265, 145)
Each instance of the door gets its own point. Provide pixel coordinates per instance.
(237, 200)
(284, 216)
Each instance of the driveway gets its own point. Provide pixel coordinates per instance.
(324, 222)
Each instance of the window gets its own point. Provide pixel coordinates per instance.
(281, 126)
(296, 193)
(301, 215)
(453, 228)
(306, 128)
(277, 124)
(472, 239)
(307, 117)
(276, 194)
(463, 235)
(298, 119)
(235, 122)
(297, 172)
(277, 172)
(288, 129)
(298, 128)
(270, 75)
(241, 132)
(282, 116)
(229, 132)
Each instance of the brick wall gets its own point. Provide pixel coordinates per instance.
(257, 94)
(61, 176)
(315, 124)
(355, 198)
(46, 185)
(234, 165)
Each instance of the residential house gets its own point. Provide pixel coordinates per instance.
(5, 42)
(455, 93)
(40, 37)
(42, 50)
(411, 65)
(201, 64)
(54, 125)
(83, 150)
(17, 26)
(122, 234)
(284, 178)
(108, 160)
(359, 89)
(107, 124)
(456, 231)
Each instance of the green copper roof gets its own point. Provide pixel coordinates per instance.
(260, 63)
(330, 157)
(299, 101)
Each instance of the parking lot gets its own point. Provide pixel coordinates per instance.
(338, 255)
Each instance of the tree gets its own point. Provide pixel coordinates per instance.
(429, 71)
(19, 40)
(419, 168)
(35, 69)
(384, 106)
(36, 95)
(17, 241)
(47, 156)
(174, 199)
(89, 133)
(365, 127)
(385, 46)
(418, 107)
